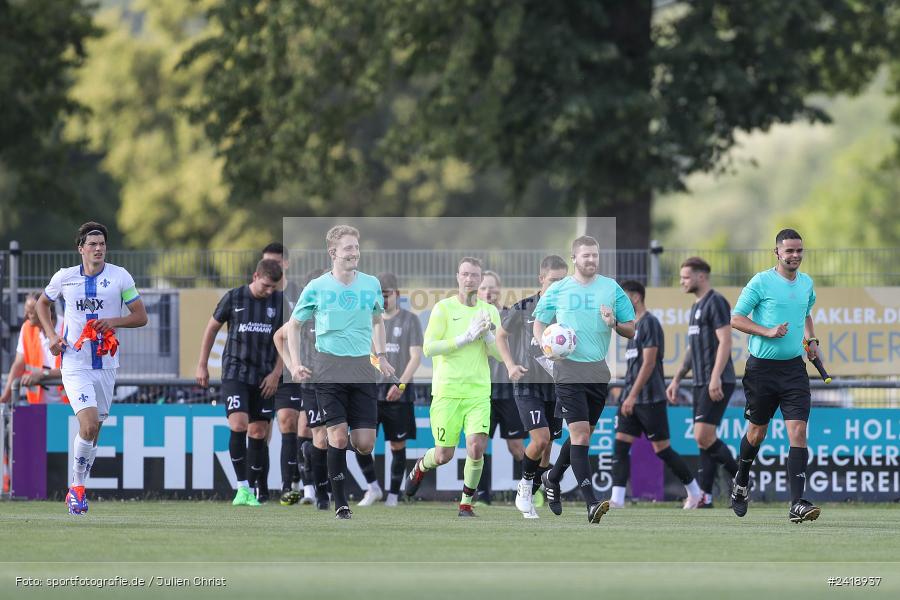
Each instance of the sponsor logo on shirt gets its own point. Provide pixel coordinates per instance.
(253, 327)
(632, 353)
(89, 305)
(693, 330)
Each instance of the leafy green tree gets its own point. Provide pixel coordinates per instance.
(172, 193)
(855, 207)
(48, 184)
(603, 103)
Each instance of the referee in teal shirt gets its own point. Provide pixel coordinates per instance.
(347, 306)
(774, 308)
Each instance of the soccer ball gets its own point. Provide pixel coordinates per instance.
(558, 341)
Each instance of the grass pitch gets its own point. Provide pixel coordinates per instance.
(422, 550)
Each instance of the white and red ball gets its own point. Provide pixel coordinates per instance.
(558, 341)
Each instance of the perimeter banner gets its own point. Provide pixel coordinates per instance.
(181, 451)
(859, 328)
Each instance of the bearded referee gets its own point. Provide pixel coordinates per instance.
(775, 310)
(593, 306)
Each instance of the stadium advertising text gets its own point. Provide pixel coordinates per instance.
(182, 451)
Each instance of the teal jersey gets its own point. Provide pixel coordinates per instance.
(770, 300)
(578, 305)
(343, 313)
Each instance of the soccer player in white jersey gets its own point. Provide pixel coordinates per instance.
(94, 291)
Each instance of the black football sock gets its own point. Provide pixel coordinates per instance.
(536, 482)
(621, 463)
(319, 471)
(562, 462)
(677, 465)
(797, 458)
(582, 470)
(263, 483)
(748, 455)
(530, 468)
(398, 468)
(288, 460)
(722, 455)
(304, 473)
(484, 484)
(255, 448)
(367, 465)
(337, 464)
(237, 448)
(706, 473)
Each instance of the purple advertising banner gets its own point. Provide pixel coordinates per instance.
(646, 471)
(29, 468)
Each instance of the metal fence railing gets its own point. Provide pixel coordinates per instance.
(435, 268)
(159, 274)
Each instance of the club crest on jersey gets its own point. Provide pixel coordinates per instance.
(398, 331)
(270, 312)
(105, 283)
(91, 305)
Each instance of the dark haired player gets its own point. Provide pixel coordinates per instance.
(396, 414)
(251, 371)
(642, 403)
(94, 293)
(533, 389)
(709, 357)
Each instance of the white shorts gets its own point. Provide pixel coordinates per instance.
(90, 388)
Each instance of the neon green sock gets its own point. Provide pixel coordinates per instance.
(471, 477)
(428, 462)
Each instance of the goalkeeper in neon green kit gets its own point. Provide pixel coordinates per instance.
(459, 339)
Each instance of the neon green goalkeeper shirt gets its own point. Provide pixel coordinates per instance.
(462, 372)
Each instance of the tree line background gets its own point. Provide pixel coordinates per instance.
(199, 124)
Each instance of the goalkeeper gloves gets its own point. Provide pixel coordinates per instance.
(477, 328)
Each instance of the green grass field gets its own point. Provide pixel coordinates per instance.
(423, 550)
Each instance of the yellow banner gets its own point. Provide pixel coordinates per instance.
(859, 328)
(195, 307)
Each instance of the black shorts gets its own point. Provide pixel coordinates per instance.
(288, 396)
(505, 414)
(537, 407)
(770, 384)
(581, 401)
(651, 419)
(355, 404)
(344, 391)
(707, 411)
(310, 405)
(398, 420)
(247, 398)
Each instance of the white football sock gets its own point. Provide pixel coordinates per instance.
(618, 495)
(693, 489)
(82, 457)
